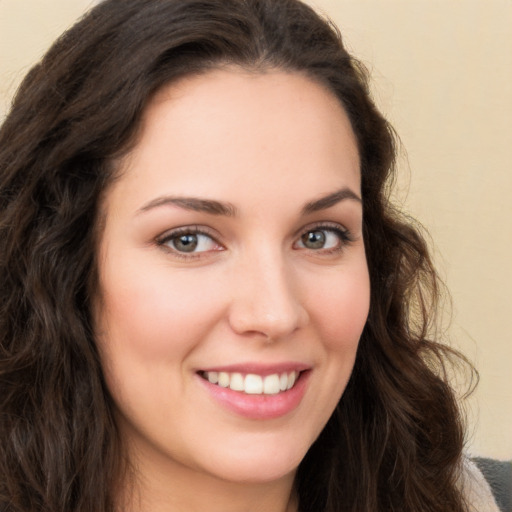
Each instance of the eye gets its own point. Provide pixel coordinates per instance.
(324, 238)
(189, 241)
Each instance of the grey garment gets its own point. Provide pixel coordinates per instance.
(476, 490)
(498, 474)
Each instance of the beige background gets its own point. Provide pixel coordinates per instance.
(442, 72)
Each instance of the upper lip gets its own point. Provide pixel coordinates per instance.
(258, 368)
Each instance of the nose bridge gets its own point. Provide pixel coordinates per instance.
(265, 299)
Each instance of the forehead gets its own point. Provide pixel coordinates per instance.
(231, 126)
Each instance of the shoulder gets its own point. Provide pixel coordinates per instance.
(476, 490)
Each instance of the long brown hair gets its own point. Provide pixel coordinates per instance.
(395, 439)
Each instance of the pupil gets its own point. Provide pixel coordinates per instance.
(186, 243)
(314, 239)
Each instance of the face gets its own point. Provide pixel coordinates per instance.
(233, 279)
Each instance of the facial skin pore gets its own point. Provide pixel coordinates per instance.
(232, 244)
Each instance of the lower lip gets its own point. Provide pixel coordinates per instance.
(259, 407)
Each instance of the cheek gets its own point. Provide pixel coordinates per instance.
(147, 327)
(156, 317)
(341, 308)
(338, 308)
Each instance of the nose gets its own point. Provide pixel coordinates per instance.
(266, 300)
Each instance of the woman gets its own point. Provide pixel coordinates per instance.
(208, 300)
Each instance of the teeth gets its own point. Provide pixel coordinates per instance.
(253, 384)
(271, 385)
(213, 377)
(224, 379)
(291, 380)
(237, 382)
(283, 382)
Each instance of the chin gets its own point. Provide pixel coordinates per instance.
(255, 466)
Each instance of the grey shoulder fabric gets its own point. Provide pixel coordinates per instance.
(476, 490)
(498, 474)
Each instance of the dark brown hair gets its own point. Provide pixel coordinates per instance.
(395, 440)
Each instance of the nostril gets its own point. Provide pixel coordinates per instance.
(269, 327)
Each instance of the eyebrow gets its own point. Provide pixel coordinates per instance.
(194, 204)
(214, 207)
(330, 200)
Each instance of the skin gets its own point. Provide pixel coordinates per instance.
(266, 145)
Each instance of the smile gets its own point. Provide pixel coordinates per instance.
(253, 384)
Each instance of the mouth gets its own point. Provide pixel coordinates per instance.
(252, 383)
(255, 391)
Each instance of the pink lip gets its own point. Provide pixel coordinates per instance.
(258, 407)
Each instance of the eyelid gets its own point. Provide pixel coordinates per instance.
(344, 233)
(324, 225)
(165, 237)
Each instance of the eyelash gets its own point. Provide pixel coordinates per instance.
(165, 240)
(344, 235)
